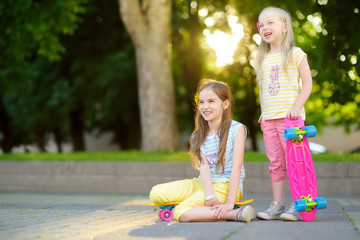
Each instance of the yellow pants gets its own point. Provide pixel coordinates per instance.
(189, 192)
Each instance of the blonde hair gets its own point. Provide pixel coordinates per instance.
(286, 46)
(198, 136)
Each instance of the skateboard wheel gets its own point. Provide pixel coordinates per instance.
(166, 215)
(321, 202)
(300, 205)
(160, 213)
(290, 133)
(310, 131)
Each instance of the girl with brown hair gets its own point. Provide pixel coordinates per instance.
(217, 147)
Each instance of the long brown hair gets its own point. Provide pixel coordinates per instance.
(198, 136)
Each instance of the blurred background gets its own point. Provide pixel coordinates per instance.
(70, 74)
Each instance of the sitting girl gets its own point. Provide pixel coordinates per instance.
(217, 147)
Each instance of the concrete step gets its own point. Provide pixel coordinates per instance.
(341, 178)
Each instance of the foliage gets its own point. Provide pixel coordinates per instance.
(335, 54)
(327, 32)
(32, 25)
(65, 98)
(30, 36)
(68, 67)
(189, 41)
(100, 67)
(187, 69)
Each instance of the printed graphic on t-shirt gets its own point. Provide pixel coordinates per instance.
(274, 85)
(212, 158)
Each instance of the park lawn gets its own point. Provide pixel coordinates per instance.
(135, 155)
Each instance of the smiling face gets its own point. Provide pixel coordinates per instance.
(211, 107)
(272, 28)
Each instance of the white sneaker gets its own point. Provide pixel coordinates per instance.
(273, 212)
(246, 214)
(290, 215)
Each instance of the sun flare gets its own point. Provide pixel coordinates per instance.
(225, 44)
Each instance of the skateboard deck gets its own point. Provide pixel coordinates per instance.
(301, 171)
(166, 214)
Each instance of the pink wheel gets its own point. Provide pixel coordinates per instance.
(166, 215)
(160, 213)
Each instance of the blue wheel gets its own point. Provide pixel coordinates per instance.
(300, 205)
(321, 202)
(290, 133)
(310, 131)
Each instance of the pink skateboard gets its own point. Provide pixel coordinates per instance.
(301, 171)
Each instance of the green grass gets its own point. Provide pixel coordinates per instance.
(135, 155)
(131, 155)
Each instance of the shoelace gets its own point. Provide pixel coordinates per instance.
(292, 209)
(272, 209)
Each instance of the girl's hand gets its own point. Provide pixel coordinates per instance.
(294, 113)
(212, 202)
(260, 121)
(221, 209)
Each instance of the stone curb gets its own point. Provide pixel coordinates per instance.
(139, 177)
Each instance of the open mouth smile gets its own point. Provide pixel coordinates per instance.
(267, 35)
(206, 113)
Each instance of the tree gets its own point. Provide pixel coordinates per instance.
(190, 51)
(327, 32)
(99, 66)
(148, 25)
(187, 60)
(335, 52)
(331, 46)
(72, 88)
(31, 34)
(100, 60)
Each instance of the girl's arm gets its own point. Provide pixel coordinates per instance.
(205, 174)
(305, 74)
(237, 162)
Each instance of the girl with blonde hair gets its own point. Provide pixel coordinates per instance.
(285, 84)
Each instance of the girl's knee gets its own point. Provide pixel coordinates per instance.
(184, 218)
(277, 177)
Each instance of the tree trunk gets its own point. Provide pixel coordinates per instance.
(58, 138)
(149, 29)
(5, 121)
(252, 114)
(77, 130)
(40, 140)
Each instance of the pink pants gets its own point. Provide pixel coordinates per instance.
(275, 146)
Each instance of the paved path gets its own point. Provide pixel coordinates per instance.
(53, 216)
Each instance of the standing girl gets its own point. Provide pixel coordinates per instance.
(281, 69)
(217, 150)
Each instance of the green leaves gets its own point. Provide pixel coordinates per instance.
(31, 25)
